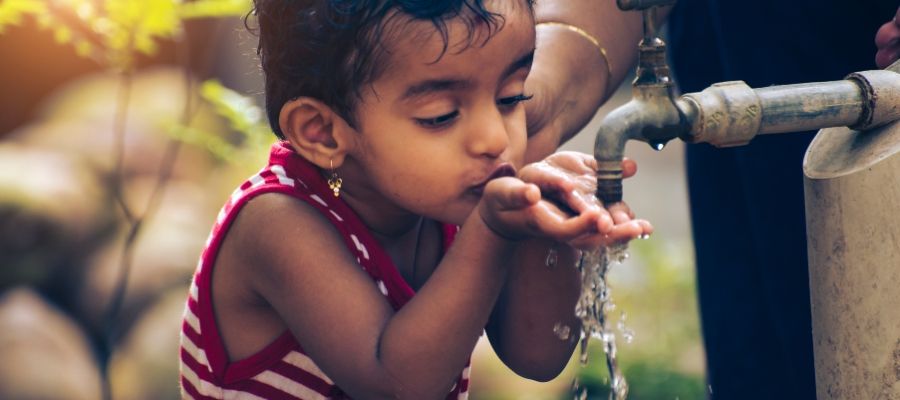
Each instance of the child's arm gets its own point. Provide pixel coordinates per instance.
(301, 268)
(538, 297)
(292, 260)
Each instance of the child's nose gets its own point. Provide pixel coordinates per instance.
(490, 136)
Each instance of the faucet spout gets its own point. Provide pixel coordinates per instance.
(652, 115)
(653, 120)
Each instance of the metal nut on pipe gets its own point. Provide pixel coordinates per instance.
(725, 114)
(881, 98)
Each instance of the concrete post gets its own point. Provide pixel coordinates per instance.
(852, 189)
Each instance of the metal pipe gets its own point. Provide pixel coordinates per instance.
(804, 107)
(731, 113)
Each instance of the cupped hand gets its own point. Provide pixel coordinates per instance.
(555, 199)
(887, 39)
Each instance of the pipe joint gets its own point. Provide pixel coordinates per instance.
(881, 98)
(725, 114)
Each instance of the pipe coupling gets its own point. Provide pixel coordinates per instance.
(725, 114)
(609, 182)
(881, 98)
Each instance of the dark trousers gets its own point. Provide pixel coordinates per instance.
(747, 211)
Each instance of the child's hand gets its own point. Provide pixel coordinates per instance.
(555, 199)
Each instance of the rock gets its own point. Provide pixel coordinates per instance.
(80, 118)
(52, 214)
(43, 353)
(145, 366)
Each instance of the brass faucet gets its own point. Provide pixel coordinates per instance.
(728, 113)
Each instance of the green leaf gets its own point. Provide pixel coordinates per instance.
(12, 11)
(62, 34)
(241, 112)
(242, 115)
(214, 8)
(137, 24)
(218, 147)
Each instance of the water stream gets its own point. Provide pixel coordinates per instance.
(593, 309)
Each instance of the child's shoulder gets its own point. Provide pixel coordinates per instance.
(276, 226)
(278, 249)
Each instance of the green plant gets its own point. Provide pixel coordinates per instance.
(113, 33)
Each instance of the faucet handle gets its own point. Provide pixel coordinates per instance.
(628, 5)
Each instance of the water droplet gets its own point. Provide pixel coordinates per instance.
(579, 392)
(628, 334)
(552, 258)
(562, 331)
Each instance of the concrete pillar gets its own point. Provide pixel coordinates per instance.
(852, 189)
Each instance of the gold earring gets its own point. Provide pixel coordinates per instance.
(334, 182)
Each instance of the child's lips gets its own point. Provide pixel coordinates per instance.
(501, 170)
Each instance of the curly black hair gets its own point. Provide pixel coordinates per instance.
(328, 49)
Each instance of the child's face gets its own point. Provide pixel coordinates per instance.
(431, 132)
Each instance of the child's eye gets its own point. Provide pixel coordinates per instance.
(512, 101)
(437, 122)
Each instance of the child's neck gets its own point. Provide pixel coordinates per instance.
(413, 252)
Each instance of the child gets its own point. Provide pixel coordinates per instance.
(400, 121)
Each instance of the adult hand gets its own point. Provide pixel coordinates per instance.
(887, 39)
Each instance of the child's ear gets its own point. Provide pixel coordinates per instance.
(315, 131)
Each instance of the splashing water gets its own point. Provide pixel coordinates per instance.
(593, 307)
(562, 331)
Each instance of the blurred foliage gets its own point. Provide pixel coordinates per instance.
(114, 33)
(243, 116)
(111, 31)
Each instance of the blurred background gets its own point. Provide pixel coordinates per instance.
(125, 125)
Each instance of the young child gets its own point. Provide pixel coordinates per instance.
(330, 274)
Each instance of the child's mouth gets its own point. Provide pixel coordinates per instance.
(501, 170)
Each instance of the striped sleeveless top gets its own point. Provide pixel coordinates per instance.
(281, 370)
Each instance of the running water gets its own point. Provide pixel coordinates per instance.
(593, 307)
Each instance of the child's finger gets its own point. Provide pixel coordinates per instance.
(629, 167)
(550, 222)
(620, 213)
(605, 222)
(563, 188)
(629, 231)
(513, 194)
(548, 178)
(625, 232)
(580, 202)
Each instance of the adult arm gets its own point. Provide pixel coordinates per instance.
(569, 77)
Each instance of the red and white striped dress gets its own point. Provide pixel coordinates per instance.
(281, 370)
